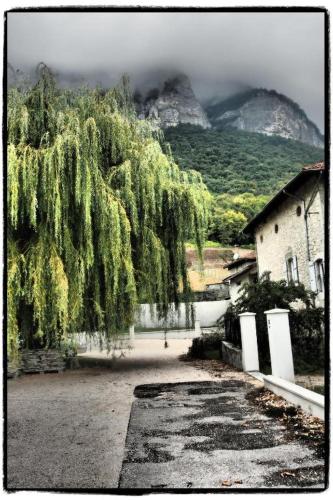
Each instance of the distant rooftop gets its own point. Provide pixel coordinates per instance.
(249, 257)
(316, 166)
(249, 267)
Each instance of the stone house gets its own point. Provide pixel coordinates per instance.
(244, 270)
(290, 232)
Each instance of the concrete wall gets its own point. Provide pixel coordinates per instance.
(291, 236)
(206, 312)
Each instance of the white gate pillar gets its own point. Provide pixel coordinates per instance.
(280, 344)
(250, 358)
(132, 332)
(197, 327)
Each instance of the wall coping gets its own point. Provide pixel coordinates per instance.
(277, 311)
(231, 346)
(310, 402)
(311, 396)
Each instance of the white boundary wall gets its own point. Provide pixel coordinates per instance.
(207, 313)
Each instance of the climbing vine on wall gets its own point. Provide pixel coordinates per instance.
(98, 216)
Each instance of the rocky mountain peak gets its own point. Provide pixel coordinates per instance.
(254, 110)
(176, 103)
(266, 112)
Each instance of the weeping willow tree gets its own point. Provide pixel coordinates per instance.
(98, 216)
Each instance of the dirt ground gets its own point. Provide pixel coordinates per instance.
(68, 430)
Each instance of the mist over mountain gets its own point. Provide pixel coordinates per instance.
(221, 52)
(253, 110)
(167, 99)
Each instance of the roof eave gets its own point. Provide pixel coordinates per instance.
(249, 228)
(241, 272)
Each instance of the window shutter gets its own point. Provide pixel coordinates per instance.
(286, 271)
(312, 274)
(295, 270)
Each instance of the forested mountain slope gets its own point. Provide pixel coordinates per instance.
(234, 161)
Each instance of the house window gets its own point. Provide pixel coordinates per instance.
(299, 210)
(276, 228)
(292, 270)
(319, 273)
(261, 238)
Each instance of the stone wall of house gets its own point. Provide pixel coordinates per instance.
(291, 236)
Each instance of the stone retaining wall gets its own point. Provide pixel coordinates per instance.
(231, 355)
(13, 369)
(40, 360)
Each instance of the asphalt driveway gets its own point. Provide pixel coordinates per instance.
(210, 435)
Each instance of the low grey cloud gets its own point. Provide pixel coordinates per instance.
(221, 52)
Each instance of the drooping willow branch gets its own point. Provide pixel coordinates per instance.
(98, 216)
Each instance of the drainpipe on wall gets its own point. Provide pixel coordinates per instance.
(257, 258)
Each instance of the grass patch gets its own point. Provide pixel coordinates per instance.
(207, 244)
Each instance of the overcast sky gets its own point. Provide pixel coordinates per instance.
(220, 52)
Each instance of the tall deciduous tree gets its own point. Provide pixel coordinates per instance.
(98, 215)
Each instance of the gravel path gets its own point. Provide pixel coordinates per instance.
(68, 430)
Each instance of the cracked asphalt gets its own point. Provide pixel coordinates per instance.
(210, 435)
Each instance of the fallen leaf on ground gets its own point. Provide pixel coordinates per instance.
(226, 483)
(287, 473)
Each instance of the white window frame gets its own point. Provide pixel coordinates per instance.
(291, 270)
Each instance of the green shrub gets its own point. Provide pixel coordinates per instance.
(206, 346)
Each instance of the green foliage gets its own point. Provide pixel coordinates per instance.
(226, 225)
(230, 213)
(243, 169)
(207, 346)
(69, 347)
(98, 216)
(306, 321)
(207, 244)
(248, 204)
(234, 161)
